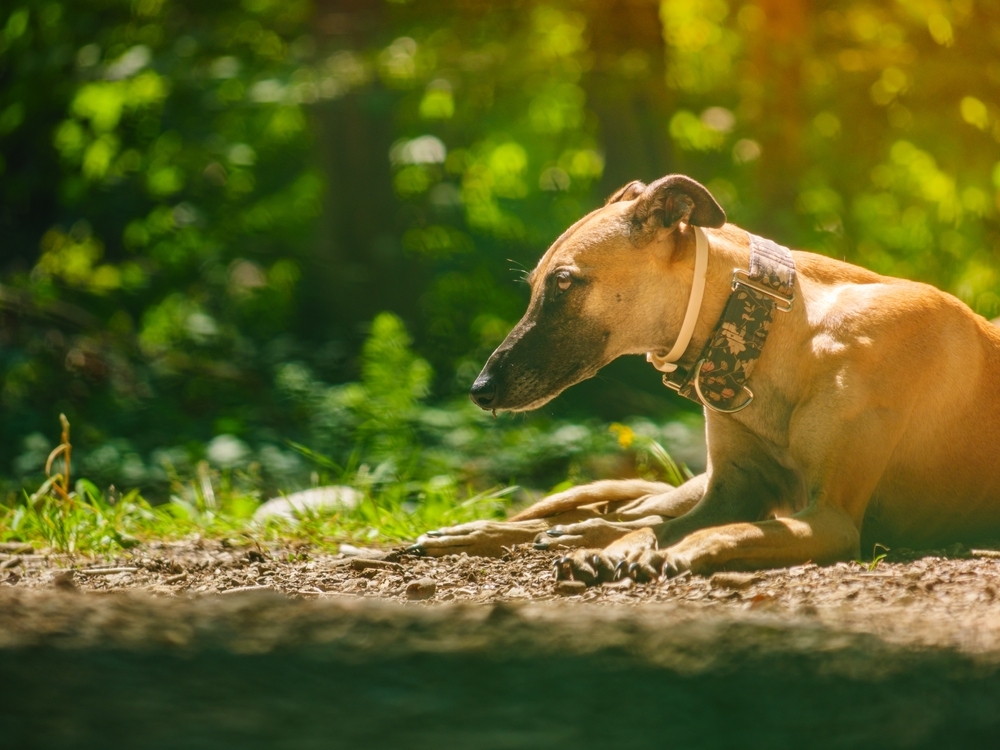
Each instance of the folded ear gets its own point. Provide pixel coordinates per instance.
(672, 199)
(629, 192)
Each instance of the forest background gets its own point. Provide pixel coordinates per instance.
(270, 243)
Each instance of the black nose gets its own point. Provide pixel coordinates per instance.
(483, 392)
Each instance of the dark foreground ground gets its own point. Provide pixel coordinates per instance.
(308, 650)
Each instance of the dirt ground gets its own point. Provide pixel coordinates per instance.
(205, 644)
(945, 598)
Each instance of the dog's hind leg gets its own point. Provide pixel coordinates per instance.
(821, 533)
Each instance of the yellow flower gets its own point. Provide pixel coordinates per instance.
(624, 434)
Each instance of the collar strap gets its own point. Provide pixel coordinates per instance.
(718, 379)
(667, 363)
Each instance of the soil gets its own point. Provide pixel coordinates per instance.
(934, 590)
(224, 644)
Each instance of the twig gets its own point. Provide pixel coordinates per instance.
(362, 563)
(176, 578)
(985, 553)
(16, 548)
(64, 449)
(241, 589)
(69, 449)
(105, 571)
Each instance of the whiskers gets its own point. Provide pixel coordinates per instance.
(520, 272)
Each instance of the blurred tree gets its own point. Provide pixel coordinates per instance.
(194, 196)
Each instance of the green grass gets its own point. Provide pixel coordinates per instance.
(90, 522)
(79, 518)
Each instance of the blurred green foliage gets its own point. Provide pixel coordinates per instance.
(205, 207)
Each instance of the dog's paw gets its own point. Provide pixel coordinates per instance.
(655, 565)
(590, 566)
(612, 563)
(482, 538)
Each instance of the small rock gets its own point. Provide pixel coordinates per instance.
(570, 588)
(733, 581)
(763, 601)
(361, 563)
(319, 500)
(63, 580)
(423, 588)
(623, 584)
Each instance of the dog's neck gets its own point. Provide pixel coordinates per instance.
(666, 361)
(728, 249)
(718, 380)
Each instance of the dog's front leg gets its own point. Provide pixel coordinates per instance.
(839, 474)
(578, 512)
(644, 512)
(477, 538)
(742, 487)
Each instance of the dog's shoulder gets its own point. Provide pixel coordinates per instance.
(853, 307)
(856, 287)
(827, 270)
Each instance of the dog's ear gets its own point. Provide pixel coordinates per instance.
(672, 199)
(628, 192)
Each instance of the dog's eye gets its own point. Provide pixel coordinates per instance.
(564, 280)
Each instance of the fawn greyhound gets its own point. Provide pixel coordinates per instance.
(842, 407)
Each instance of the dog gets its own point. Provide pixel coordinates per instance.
(870, 413)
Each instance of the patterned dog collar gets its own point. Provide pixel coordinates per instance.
(718, 379)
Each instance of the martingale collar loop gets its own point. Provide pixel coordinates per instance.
(718, 379)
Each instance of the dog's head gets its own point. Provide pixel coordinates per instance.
(614, 283)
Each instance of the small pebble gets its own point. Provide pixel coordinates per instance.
(734, 581)
(360, 563)
(423, 588)
(64, 580)
(623, 584)
(570, 588)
